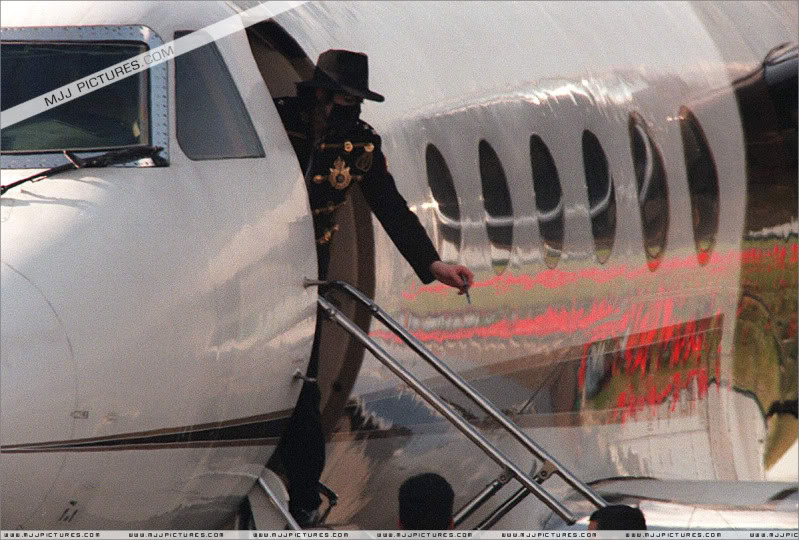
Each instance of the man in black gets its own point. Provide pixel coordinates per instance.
(425, 503)
(617, 517)
(337, 150)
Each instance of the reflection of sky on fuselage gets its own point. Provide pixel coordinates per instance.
(405, 408)
(681, 50)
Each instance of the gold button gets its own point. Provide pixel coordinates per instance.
(369, 147)
(348, 146)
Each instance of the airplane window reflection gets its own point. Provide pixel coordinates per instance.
(210, 117)
(703, 184)
(447, 211)
(653, 198)
(548, 200)
(499, 212)
(601, 196)
(117, 115)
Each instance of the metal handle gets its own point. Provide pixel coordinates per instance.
(299, 375)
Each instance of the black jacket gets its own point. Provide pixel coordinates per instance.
(339, 160)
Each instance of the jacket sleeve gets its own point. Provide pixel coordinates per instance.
(401, 225)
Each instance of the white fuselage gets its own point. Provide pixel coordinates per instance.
(150, 312)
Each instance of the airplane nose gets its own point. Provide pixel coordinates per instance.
(38, 392)
(38, 386)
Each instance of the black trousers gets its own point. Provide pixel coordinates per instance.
(302, 447)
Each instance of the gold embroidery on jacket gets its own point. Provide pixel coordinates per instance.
(325, 238)
(329, 209)
(339, 176)
(364, 162)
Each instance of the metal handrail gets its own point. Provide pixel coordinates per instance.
(481, 498)
(437, 403)
(473, 394)
(280, 507)
(502, 510)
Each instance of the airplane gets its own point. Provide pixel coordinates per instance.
(622, 178)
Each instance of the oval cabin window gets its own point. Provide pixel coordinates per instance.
(548, 200)
(653, 196)
(497, 204)
(447, 234)
(601, 196)
(703, 183)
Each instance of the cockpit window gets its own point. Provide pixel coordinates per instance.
(113, 116)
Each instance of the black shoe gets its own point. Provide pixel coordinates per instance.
(306, 518)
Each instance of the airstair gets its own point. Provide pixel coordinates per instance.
(269, 505)
(531, 483)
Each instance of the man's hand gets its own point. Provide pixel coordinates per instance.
(457, 276)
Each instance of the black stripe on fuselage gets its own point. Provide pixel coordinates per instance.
(242, 432)
(572, 391)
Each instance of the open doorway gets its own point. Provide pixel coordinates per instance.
(282, 63)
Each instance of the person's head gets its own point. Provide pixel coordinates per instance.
(617, 517)
(339, 109)
(340, 83)
(425, 502)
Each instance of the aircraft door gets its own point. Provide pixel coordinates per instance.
(264, 245)
(282, 62)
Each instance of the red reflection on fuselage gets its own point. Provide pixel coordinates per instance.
(775, 258)
(630, 402)
(657, 356)
(660, 363)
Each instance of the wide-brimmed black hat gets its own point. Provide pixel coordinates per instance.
(343, 71)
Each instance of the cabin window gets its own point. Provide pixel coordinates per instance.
(114, 116)
(653, 198)
(548, 200)
(212, 121)
(447, 235)
(497, 204)
(601, 196)
(703, 183)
